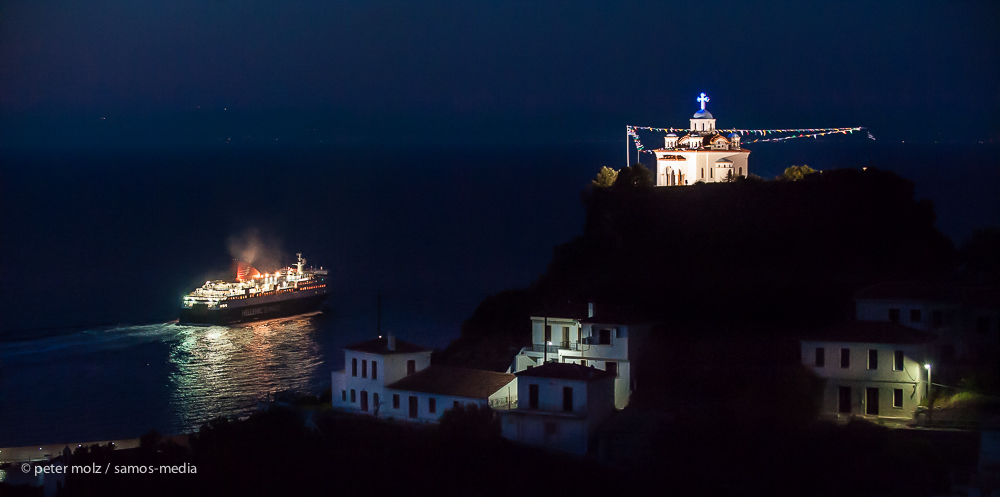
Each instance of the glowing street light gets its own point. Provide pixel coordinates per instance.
(928, 368)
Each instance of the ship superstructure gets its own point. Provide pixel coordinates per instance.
(255, 295)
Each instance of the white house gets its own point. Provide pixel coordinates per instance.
(588, 335)
(703, 154)
(966, 320)
(872, 369)
(371, 365)
(390, 378)
(426, 395)
(560, 406)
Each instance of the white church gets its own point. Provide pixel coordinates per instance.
(703, 154)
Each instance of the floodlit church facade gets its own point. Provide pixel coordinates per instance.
(703, 154)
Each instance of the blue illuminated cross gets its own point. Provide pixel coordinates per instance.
(703, 99)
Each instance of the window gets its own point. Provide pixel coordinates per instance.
(353, 397)
(894, 315)
(897, 361)
(364, 401)
(456, 405)
(395, 401)
(375, 401)
(845, 358)
(583, 362)
(604, 337)
(432, 405)
(703, 173)
(844, 400)
(565, 336)
(914, 315)
(937, 319)
(820, 357)
(411, 367)
(741, 171)
(897, 397)
(872, 359)
(568, 399)
(364, 368)
(413, 407)
(871, 401)
(548, 333)
(354, 366)
(532, 396)
(374, 370)
(983, 324)
(343, 395)
(611, 367)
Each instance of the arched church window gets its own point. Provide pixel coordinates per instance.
(703, 173)
(741, 171)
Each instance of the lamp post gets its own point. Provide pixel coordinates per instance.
(928, 368)
(545, 356)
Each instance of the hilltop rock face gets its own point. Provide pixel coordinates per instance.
(766, 252)
(726, 256)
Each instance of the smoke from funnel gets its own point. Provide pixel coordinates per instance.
(263, 253)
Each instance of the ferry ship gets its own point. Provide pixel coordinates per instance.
(255, 295)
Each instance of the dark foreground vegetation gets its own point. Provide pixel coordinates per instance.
(272, 453)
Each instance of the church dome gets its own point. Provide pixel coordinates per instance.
(733, 135)
(671, 134)
(703, 114)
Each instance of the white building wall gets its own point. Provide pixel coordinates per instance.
(601, 403)
(569, 434)
(912, 380)
(391, 368)
(878, 310)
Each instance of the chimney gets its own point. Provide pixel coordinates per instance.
(590, 309)
(392, 342)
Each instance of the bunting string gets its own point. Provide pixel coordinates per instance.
(761, 134)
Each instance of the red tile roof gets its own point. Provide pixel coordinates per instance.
(460, 382)
(869, 332)
(381, 346)
(566, 371)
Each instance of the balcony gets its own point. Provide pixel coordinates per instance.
(555, 347)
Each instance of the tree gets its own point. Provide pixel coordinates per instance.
(981, 257)
(605, 177)
(795, 173)
(635, 175)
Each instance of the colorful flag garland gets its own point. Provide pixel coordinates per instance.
(802, 133)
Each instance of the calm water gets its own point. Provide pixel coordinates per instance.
(120, 382)
(98, 247)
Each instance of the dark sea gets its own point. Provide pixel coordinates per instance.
(97, 247)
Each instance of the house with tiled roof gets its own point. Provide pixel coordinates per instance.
(560, 407)
(389, 378)
(872, 369)
(965, 319)
(371, 365)
(425, 396)
(587, 334)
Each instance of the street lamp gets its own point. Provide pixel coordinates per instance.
(545, 356)
(928, 368)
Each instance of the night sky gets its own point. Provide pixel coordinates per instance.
(378, 73)
(438, 149)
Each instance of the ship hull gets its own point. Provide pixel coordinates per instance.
(200, 314)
